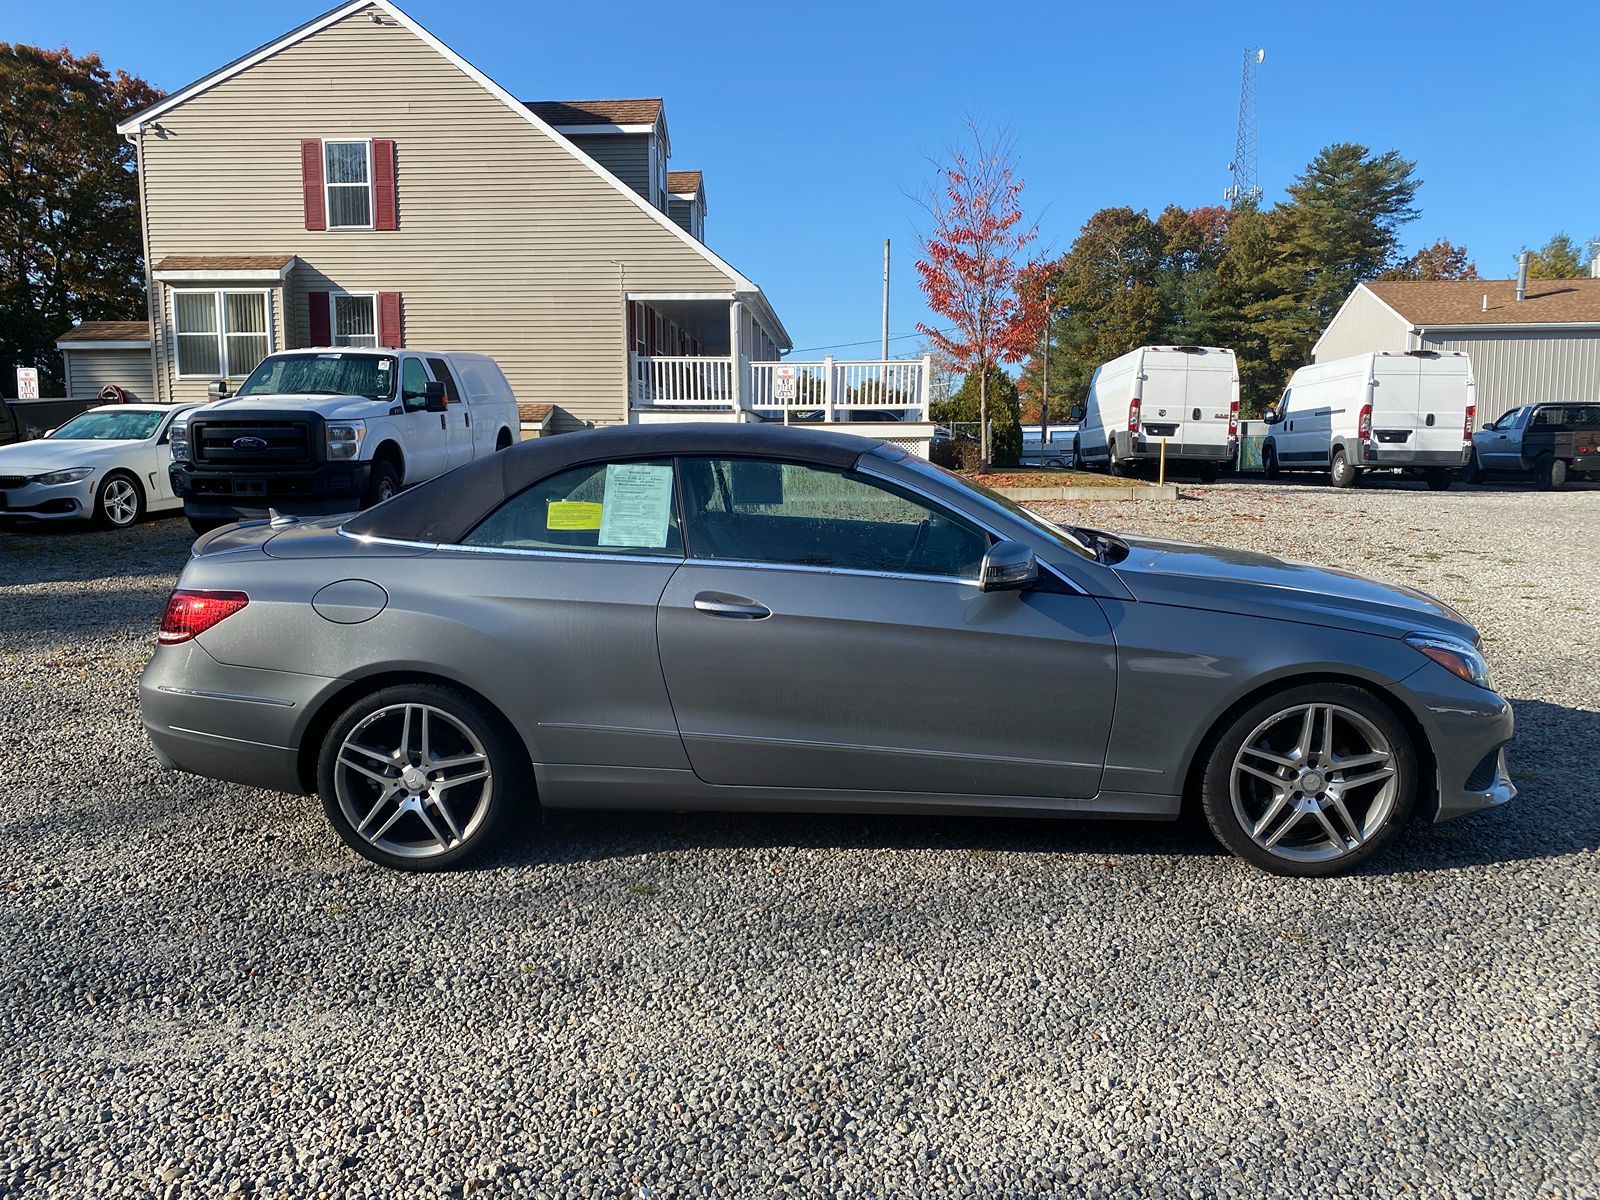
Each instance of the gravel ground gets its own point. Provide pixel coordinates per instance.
(202, 994)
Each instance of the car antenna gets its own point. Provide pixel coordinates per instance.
(279, 520)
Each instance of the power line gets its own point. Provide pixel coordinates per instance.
(899, 337)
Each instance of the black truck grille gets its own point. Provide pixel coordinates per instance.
(252, 443)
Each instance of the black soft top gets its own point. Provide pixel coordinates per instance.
(443, 510)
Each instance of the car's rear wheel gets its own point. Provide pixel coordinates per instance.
(1209, 472)
(1116, 464)
(119, 502)
(1440, 481)
(1344, 475)
(1551, 472)
(1475, 472)
(1312, 781)
(420, 777)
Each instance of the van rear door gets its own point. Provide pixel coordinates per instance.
(1188, 396)
(1442, 398)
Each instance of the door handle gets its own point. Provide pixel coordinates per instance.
(720, 604)
(441, 421)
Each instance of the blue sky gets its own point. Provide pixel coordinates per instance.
(814, 121)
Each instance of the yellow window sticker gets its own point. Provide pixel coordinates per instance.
(572, 514)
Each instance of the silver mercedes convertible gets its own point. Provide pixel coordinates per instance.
(766, 618)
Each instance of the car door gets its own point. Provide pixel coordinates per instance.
(458, 415)
(826, 632)
(1500, 446)
(426, 434)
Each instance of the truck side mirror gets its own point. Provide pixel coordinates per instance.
(1076, 415)
(218, 390)
(433, 397)
(1272, 416)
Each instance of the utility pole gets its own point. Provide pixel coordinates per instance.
(1044, 378)
(885, 299)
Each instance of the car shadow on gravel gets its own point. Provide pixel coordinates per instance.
(40, 620)
(38, 553)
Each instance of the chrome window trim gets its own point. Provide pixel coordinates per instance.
(754, 564)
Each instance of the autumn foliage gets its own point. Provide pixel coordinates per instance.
(985, 292)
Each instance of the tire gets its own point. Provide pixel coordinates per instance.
(1440, 481)
(1056, 464)
(1209, 472)
(1287, 836)
(1344, 475)
(503, 442)
(1550, 473)
(1115, 464)
(1475, 472)
(118, 501)
(383, 483)
(401, 818)
(1269, 461)
(1077, 456)
(204, 525)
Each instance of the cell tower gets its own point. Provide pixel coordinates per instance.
(1244, 188)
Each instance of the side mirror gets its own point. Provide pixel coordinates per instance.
(1076, 415)
(1272, 416)
(433, 397)
(218, 390)
(1008, 567)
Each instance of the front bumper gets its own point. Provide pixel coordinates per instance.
(241, 724)
(317, 490)
(49, 501)
(1468, 729)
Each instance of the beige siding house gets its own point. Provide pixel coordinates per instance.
(357, 182)
(108, 354)
(1544, 345)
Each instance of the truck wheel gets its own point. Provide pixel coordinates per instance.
(1269, 461)
(1344, 475)
(503, 442)
(1115, 465)
(1440, 481)
(1551, 472)
(385, 482)
(1209, 472)
(1077, 456)
(1475, 473)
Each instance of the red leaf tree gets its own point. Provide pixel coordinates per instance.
(972, 267)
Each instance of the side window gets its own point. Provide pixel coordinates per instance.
(1549, 417)
(607, 508)
(441, 372)
(758, 510)
(413, 384)
(1283, 405)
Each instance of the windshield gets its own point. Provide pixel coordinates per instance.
(325, 374)
(101, 425)
(1081, 542)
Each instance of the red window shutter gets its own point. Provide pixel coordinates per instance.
(319, 320)
(390, 332)
(311, 184)
(385, 210)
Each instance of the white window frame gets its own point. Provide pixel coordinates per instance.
(327, 187)
(221, 332)
(333, 319)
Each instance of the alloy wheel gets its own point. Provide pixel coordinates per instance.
(119, 500)
(1314, 782)
(413, 780)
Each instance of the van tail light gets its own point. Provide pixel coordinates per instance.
(1233, 419)
(1472, 416)
(191, 613)
(1364, 424)
(1133, 416)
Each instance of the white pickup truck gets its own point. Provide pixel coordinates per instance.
(334, 430)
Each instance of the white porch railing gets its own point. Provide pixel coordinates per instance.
(698, 380)
(895, 389)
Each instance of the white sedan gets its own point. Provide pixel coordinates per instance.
(108, 465)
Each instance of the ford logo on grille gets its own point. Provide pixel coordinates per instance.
(249, 443)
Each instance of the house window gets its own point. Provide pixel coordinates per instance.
(355, 320)
(348, 175)
(220, 333)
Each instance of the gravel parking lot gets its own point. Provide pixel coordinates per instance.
(203, 994)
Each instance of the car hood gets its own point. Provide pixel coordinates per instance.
(1262, 585)
(334, 408)
(53, 454)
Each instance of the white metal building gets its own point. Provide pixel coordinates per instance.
(1541, 344)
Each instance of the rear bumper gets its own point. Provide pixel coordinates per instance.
(240, 724)
(1149, 449)
(1382, 457)
(311, 491)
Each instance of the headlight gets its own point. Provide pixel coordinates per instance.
(345, 438)
(178, 440)
(71, 476)
(1460, 658)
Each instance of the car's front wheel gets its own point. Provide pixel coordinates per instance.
(119, 501)
(420, 777)
(1310, 781)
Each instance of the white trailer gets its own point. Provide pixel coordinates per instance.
(1407, 411)
(1184, 396)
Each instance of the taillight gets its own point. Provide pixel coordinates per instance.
(1364, 425)
(1233, 419)
(1133, 415)
(1472, 415)
(191, 613)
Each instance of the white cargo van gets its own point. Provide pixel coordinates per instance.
(1187, 396)
(1409, 411)
(336, 429)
